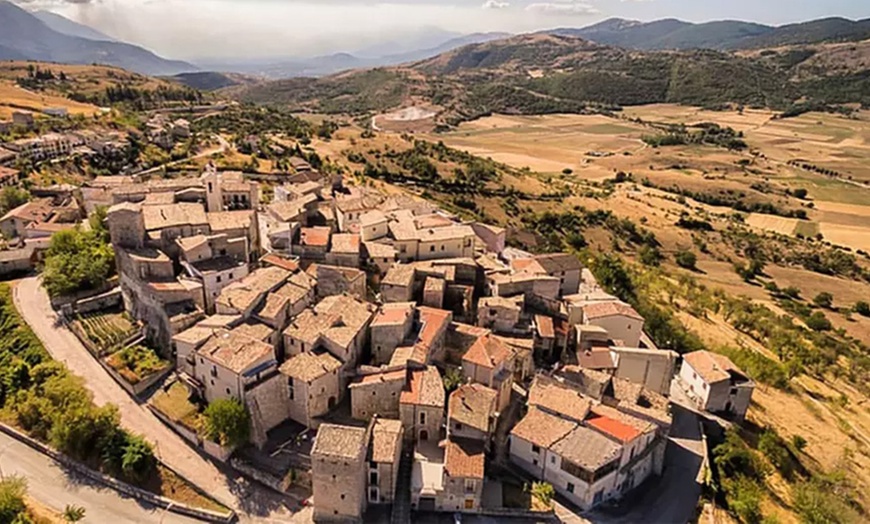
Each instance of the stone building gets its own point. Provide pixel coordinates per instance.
(377, 393)
(471, 413)
(716, 384)
(421, 405)
(384, 456)
(464, 464)
(489, 362)
(389, 329)
(500, 314)
(312, 385)
(398, 284)
(334, 280)
(339, 473)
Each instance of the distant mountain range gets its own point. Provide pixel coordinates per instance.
(27, 36)
(329, 64)
(721, 35)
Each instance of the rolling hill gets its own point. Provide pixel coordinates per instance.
(24, 36)
(541, 73)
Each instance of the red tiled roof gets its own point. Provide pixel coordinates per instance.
(424, 388)
(545, 326)
(314, 236)
(614, 428)
(487, 351)
(433, 320)
(279, 261)
(464, 458)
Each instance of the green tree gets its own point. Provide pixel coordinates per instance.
(819, 322)
(453, 379)
(12, 493)
(227, 422)
(744, 498)
(543, 491)
(686, 259)
(862, 308)
(649, 256)
(824, 300)
(138, 460)
(76, 260)
(12, 197)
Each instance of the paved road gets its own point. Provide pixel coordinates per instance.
(670, 499)
(33, 303)
(55, 487)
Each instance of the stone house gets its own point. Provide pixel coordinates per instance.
(284, 303)
(464, 463)
(528, 284)
(345, 250)
(377, 393)
(620, 320)
(489, 362)
(500, 314)
(339, 474)
(432, 325)
(471, 413)
(589, 452)
(313, 243)
(433, 292)
(238, 224)
(379, 255)
(373, 225)
(389, 329)
(384, 455)
(335, 280)
(230, 362)
(312, 385)
(349, 211)
(243, 297)
(651, 368)
(398, 284)
(215, 261)
(716, 384)
(421, 405)
(564, 266)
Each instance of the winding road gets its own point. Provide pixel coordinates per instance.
(261, 505)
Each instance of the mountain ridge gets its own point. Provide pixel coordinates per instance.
(25, 36)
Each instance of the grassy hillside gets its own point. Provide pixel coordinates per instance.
(537, 74)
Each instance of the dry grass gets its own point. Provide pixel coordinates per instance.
(14, 98)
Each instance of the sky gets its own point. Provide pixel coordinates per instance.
(243, 29)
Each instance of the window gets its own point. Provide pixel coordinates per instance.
(373, 477)
(536, 449)
(290, 388)
(552, 459)
(422, 418)
(458, 426)
(231, 276)
(228, 391)
(469, 486)
(218, 279)
(469, 503)
(704, 385)
(570, 487)
(431, 249)
(534, 462)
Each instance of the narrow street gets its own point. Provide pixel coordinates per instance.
(32, 301)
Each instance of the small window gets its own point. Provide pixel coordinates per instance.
(228, 391)
(422, 418)
(431, 249)
(458, 426)
(552, 459)
(218, 279)
(570, 488)
(536, 449)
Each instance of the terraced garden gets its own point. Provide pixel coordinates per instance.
(106, 332)
(136, 363)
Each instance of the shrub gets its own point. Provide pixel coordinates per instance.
(862, 308)
(650, 256)
(792, 292)
(227, 422)
(824, 300)
(800, 193)
(819, 322)
(543, 491)
(77, 259)
(12, 493)
(799, 442)
(137, 461)
(820, 502)
(744, 498)
(686, 260)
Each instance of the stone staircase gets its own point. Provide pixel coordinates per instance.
(402, 502)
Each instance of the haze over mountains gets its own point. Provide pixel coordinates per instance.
(26, 36)
(47, 36)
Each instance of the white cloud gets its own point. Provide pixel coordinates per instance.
(562, 8)
(495, 4)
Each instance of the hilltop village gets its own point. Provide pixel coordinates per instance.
(406, 358)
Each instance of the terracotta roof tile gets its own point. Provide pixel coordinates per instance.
(464, 458)
(557, 397)
(541, 428)
(610, 309)
(712, 367)
(488, 351)
(425, 388)
(473, 405)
